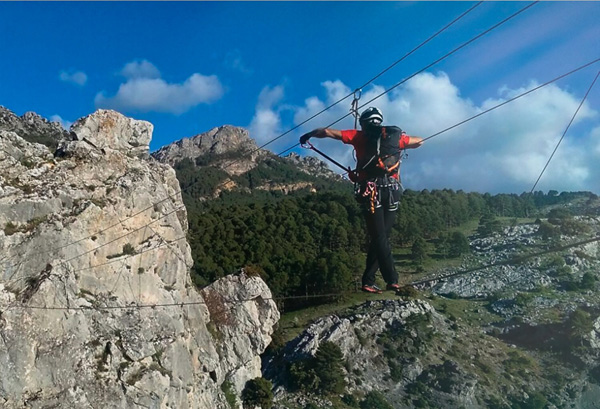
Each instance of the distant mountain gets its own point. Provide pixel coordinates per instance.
(227, 159)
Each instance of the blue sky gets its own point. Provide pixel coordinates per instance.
(190, 66)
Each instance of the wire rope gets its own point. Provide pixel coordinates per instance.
(55, 249)
(565, 132)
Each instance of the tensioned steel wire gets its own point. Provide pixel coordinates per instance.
(167, 242)
(512, 260)
(363, 105)
(436, 134)
(430, 65)
(272, 140)
(565, 132)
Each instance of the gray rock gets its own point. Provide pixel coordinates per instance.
(106, 129)
(33, 128)
(89, 242)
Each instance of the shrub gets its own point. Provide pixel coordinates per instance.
(10, 228)
(407, 291)
(324, 372)
(459, 244)
(375, 400)
(258, 393)
(328, 367)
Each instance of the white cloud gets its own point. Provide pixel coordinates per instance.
(145, 91)
(266, 123)
(64, 123)
(140, 69)
(74, 77)
(502, 151)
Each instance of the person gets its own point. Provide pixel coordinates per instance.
(377, 186)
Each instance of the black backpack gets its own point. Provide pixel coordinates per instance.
(383, 153)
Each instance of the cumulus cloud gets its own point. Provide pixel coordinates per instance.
(73, 77)
(502, 151)
(140, 69)
(266, 123)
(64, 123)
(146, 91)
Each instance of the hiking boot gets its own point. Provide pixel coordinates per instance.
(373, 289)
(392, 287)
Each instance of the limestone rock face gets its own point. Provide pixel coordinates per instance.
(227, 147)
(106, 129)
(96, 304)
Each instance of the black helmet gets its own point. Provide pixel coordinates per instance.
(371, 116)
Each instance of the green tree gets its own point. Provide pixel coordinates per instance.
(419, 250)
(488, 224)
(442, 245)
(329, 365)
(257, 392)
(458, 244)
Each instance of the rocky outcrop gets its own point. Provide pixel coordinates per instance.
(96, 303)
(311, 165)
(33, 128)
(227, 147)
(361, 335)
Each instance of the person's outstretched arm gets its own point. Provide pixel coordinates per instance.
(414, 142)
(322, 133)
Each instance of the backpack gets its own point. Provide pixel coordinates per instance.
(383, 153)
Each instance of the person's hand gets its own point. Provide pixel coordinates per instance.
(304, 138)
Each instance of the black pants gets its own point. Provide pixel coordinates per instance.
(379, 226)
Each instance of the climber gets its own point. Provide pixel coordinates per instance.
(377, 186)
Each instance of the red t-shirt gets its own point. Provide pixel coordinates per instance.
(358, 140)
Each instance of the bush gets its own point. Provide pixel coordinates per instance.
(128, 249)
(459, 244)
(323, 373)
(407, 291)
(258, 393)
(375, 400)
(10, 229)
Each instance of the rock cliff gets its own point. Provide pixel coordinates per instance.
(96, 303)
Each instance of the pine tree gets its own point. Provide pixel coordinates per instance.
(419, 250)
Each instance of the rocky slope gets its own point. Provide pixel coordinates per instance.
(96, 304)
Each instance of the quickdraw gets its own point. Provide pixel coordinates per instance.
(371, 192)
